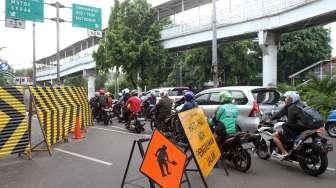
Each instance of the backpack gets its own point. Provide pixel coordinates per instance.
(312, 118)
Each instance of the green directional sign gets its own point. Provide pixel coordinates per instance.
(87, 17)
(32, 10)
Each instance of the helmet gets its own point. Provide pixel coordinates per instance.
(152, 93)
(134, 93)
(126, 91)
(294, 95)
(164, 94)
(107, 93)
(189, 96)
(225, 97)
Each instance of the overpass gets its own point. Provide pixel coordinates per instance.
(265, 19)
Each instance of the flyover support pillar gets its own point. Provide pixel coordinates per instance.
(91, 78)
(268, 43)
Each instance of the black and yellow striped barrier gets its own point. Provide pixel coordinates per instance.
(57, 110)
(14, 136)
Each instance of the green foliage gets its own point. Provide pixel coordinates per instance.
(302, 48)
(238, 64)
(320, 94)
(78, 81)
(101, 80)
(24, 72)
(3, 80)
(131, 41)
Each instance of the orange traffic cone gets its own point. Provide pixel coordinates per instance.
(78, 133)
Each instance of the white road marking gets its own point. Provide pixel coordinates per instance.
(116, 127)
(297, 163)
(84, 157)
(122, 132)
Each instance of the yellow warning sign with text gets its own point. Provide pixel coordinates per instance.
(201, 140)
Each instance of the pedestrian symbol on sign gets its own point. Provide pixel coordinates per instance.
(164, 163)
(163, 160)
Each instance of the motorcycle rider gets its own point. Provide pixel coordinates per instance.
(102, 103)
(125, 96)
(133, 106)
(149, 103)
(224, 120)
(189, 103)
(164, 107)
(109, 100)
(294, 125)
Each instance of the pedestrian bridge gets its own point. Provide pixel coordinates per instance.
(236, 20)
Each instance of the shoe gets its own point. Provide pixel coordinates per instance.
(283, 156)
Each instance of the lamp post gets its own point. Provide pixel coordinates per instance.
(214, 45)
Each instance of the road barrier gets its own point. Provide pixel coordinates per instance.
(14, 136)
(57, 109)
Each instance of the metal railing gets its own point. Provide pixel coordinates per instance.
(229, 13)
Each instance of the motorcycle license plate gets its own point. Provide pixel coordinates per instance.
(248, 145)
(329, 147)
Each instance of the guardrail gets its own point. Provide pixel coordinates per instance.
(228, 14)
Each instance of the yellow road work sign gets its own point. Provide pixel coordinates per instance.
(201, 139)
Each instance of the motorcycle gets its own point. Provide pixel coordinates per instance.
(309, 149)
(137, 123)
(146, 109)
(330, 125)
(107, 116)
(236, 148)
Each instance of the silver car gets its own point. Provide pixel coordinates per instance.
(250, 100)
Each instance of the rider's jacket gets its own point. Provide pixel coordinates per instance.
(295, 118)
(189, 105)
(227, 114)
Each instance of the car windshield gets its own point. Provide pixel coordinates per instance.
(266, 96)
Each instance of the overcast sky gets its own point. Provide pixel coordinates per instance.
(18, 42)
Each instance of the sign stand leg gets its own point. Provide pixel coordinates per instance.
(128, 164)
(192, 156)
(224, 165)
(142, 152)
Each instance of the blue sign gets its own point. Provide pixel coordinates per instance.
(3, 65)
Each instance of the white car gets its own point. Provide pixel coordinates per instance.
(250, 100)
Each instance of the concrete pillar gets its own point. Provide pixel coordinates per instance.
(91, 86)
(91, 78)
(268, 43)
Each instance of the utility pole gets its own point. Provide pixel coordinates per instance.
(34, 56)
(58, 20)
(214, 45)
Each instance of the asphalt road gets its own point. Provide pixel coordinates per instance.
(99, 161)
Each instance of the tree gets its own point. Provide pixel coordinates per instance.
(131, 41)
(3, 80)
(78, 81)
(302, 48)
(238, 64)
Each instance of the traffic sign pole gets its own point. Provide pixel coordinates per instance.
(57, 4)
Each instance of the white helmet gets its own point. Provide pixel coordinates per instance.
(126, 91)
(294, 95)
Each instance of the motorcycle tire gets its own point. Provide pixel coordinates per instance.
(262, 150)
(106, 121)
(313, 151)
(152, 124)
(331, 129)
(241, 156)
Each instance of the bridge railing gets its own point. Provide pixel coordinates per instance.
(229, 13)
